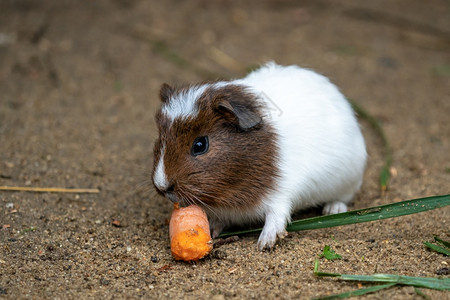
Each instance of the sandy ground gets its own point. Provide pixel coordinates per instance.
(78, 91)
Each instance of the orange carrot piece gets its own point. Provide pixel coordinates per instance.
(190, 239)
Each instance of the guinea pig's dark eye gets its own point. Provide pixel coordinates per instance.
(200, 146)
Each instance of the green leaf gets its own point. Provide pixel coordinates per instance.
(439, 240)
(329, 253)
(362, 215)
(385, 173)
(421, 294)
(318, 273)
(441, 70)
(358, 292)
(372, 214)
(437, 248)
(424, 282)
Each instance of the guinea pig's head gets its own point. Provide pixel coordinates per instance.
(215, 148)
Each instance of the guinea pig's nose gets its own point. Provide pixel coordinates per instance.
(170, 189)
(169, 193)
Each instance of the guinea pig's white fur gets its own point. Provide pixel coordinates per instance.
(322, 153)
(322, 149)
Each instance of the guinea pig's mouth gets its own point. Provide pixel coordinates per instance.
(172, 197)
(183, 198)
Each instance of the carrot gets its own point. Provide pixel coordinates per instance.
(190, 239)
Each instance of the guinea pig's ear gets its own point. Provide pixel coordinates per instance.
(244, 117)
(166, 92)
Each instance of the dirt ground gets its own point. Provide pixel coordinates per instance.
(78, 90)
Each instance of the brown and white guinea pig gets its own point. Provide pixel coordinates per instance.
(258, 148)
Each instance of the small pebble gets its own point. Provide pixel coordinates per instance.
(103, 281)
(443, 271)
(116, 223)
(219, 254)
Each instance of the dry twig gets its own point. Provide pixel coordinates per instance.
(47, 190)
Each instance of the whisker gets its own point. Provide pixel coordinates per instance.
(205, 205)
(184, 199)
(193, 188)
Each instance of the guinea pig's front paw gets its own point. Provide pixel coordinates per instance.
(216, 227)
(268, 238)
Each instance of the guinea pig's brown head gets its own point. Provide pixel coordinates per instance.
(215, 148)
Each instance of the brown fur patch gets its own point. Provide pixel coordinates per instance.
(240, 165)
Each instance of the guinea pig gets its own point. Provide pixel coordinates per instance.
(258, 148)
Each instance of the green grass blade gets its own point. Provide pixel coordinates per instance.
(421, 294)
(318, 273)
(439, 240)
(385, 173)
(423, 282)
(362, 215)
(161, 48)
(358, 292)
(437, 248)
(372, 214)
